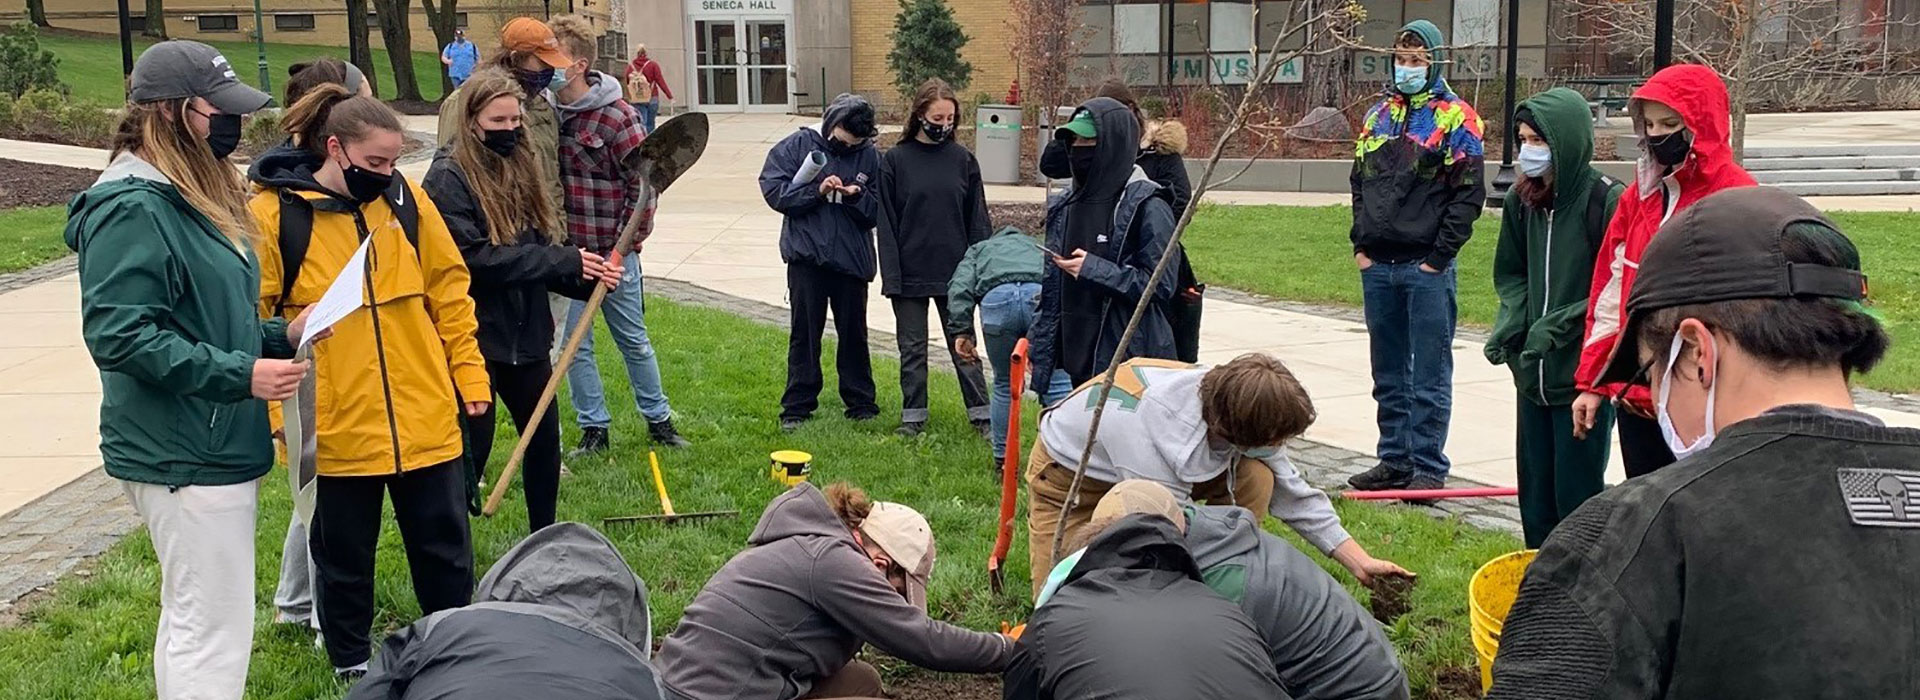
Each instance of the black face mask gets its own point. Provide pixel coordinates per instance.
(533, 81)
(365, 185)
(502, 141)
(937, 133)
(223, 134)
(841, 148)
(1080, 158)
(1671, 150)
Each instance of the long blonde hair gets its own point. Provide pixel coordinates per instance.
(157, 133)
(509, 190)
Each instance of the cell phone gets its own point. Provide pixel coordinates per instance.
(1048, 251)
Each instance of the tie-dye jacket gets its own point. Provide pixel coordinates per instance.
(1419, 178)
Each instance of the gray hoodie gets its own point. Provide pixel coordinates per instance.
(1324, 646)
(602, 90)
(795, 607)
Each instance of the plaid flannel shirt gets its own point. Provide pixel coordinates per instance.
(599, 150)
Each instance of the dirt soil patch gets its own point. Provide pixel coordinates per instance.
(925, 686)
(1028, 216)
(24, 184)
(1453, 683)
(1390, 596)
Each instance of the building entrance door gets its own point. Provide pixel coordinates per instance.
(742, 65)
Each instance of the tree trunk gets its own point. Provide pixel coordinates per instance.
(359, 48)
(398, 36)
(443, 22)
(1740, 89)
(156, 19)
(37, 12)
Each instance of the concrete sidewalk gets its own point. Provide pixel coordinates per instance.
(714, 231)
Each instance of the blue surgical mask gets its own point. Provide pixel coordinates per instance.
(1410, 80)
(559, 79)
(1534, 161)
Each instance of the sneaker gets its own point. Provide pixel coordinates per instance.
(663, 434)
(351, 674)
(1423, 483)
(911, 429)
(863, 417)
(985, 428)
(564, 471)
(592, 441)
(788, 425)
(282, 617)
(1380, 478)
(997, 465)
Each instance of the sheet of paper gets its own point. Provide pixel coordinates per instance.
(341, 299)
(298, 413)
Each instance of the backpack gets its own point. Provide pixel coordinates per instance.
(1605, 191)
(639, 89)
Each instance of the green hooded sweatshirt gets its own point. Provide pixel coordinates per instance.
(169, 308)
(1543, 264)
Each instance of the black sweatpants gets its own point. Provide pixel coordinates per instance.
(430, 506)
(519, 387)
(1643, 449)
(910, 329)
(1558, 471)
(811, 292)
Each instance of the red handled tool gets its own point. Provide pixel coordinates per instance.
(1009, 467)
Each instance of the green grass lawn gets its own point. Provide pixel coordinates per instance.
(92, 636)
(91, 66)
(31, 236)
(1302, 254)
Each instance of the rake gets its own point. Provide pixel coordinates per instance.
(667, 514)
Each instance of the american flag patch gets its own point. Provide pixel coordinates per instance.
(1881, 497)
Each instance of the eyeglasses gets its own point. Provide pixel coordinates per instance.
(1641, 377)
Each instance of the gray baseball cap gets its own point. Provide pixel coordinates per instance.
(175, 69)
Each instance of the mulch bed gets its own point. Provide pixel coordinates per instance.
(1029, 216)
(24, 184)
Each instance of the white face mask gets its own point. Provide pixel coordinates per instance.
(1680, 450)
(1534, 160)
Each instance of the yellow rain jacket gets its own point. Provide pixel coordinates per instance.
(385, 399)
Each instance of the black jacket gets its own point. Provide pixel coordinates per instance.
(835, 236)
(1134, 621)
(510, 282)
(1780, 562)
(933, 206)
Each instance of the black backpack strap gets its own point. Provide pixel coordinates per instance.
(1605, 191)
(401, 199)
(296, 231)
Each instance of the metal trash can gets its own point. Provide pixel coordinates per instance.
(996, 143)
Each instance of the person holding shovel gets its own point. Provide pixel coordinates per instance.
(488, 189)
(400, 370)
(825, 574)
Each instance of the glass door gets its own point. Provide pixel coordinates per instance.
(766, 77)
(717, 57)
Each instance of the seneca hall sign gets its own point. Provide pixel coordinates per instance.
(731, 8)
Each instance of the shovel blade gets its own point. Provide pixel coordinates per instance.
(671, 150)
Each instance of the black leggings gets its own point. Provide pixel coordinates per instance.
(1643, 449)
(519, 387)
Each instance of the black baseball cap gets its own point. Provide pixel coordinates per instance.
(172, 70)
(1727, 246)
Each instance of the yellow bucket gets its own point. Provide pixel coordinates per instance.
(1490, 595)
(790, 467)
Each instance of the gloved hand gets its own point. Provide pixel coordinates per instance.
(1014, 631)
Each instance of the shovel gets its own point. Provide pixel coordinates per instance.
(664, 157)
(667, 514)
(1009, 467)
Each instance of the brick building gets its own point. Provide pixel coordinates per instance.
(316, 22)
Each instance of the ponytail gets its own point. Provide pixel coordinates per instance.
(329, 110)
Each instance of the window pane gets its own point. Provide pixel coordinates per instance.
(460, 20)
(1098, 23)
(1189, 28)
(1232, 27)
(1136, 29)
(293, 23)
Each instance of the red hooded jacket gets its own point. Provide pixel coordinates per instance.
(1697, 93)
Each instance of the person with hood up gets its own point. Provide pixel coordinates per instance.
(1114, 224)
(393, 382)
(600, 159)
(184, 368)
(1001, 277)
(825, 574)
(1550, 231)
(1323, 644)
(826, 240)
(1134, 620)
(932, 208)
(561, 615)
(645, 85)
(1776, 558)
(1215, 434)
(488, 189)
(1681, 115)
(1418, 185)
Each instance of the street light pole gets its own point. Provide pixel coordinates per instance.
(1662, 34)
(260, 44)
(126, 41)
(1502, 181)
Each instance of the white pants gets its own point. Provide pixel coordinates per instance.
(204, 538)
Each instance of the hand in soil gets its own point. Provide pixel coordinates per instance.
(1391, 596)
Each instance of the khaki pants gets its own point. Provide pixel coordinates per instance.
(1250, 486)
(857, 680)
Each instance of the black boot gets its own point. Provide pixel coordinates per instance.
(984, 428)
(663, 434)
(592, 441)
(1382, 477)
(911, 429)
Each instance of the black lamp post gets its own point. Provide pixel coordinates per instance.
(1662, 34)
(1502, 181)
(126, 40)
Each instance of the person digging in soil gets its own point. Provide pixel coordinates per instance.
(1776, 558)
(1213, 434)
(826, 573)
(1322, 643)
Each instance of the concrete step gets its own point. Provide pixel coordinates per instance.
(1854, 189)
(1892, 161)
(1824, 151)
(1767, 177)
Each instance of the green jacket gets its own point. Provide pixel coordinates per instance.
(1005, 257)
(1543, 264)
(542, 124)
(168, 308)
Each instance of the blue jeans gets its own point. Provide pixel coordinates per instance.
(1410, 320)
(624, 308)
(1006, 313)
(648, 111)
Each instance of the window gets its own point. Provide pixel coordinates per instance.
(219, 23)
(293, 23)
(373, 22)
(137, 23)
(460, 20)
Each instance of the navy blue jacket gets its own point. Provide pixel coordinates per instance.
(1142, 227)
(838, 237)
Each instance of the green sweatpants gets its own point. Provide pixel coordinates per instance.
(1558, 472)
